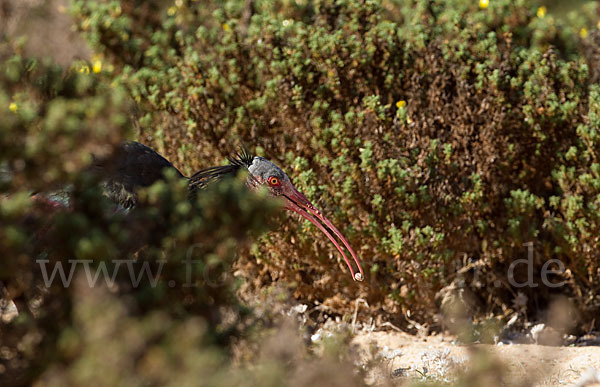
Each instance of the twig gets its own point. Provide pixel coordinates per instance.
(358, 300)
(389, 324)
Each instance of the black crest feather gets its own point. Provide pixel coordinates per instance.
(243, 157)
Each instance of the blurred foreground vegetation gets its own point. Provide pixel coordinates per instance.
(441, 136)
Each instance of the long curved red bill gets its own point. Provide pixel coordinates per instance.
(299, 204)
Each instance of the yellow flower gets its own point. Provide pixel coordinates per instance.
(13, 107)
(400, 104)
(225, 27)
(541, 11)
(84, 69)
(483, 4)
(97, 66)
(583, 33)
(171, 11)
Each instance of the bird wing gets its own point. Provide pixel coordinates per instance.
(130, 167)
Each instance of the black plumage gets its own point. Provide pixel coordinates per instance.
(134, 165)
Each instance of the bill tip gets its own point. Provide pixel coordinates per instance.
(358, 277)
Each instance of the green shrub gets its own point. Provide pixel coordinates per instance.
(436, 134)
(430, 130)
(54, 121)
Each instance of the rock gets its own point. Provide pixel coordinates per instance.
(545, 335)
(591, 378)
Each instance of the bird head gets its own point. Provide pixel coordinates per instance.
(263, 173)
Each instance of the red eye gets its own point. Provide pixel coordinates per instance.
(273, 180)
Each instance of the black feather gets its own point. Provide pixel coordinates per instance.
(241, 159)
(204, 177)
(134, 165)
(131, 166)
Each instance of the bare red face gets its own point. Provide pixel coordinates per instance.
(266, 173)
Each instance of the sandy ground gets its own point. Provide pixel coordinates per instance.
(405, 358)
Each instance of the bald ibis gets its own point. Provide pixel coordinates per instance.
(135, 165)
